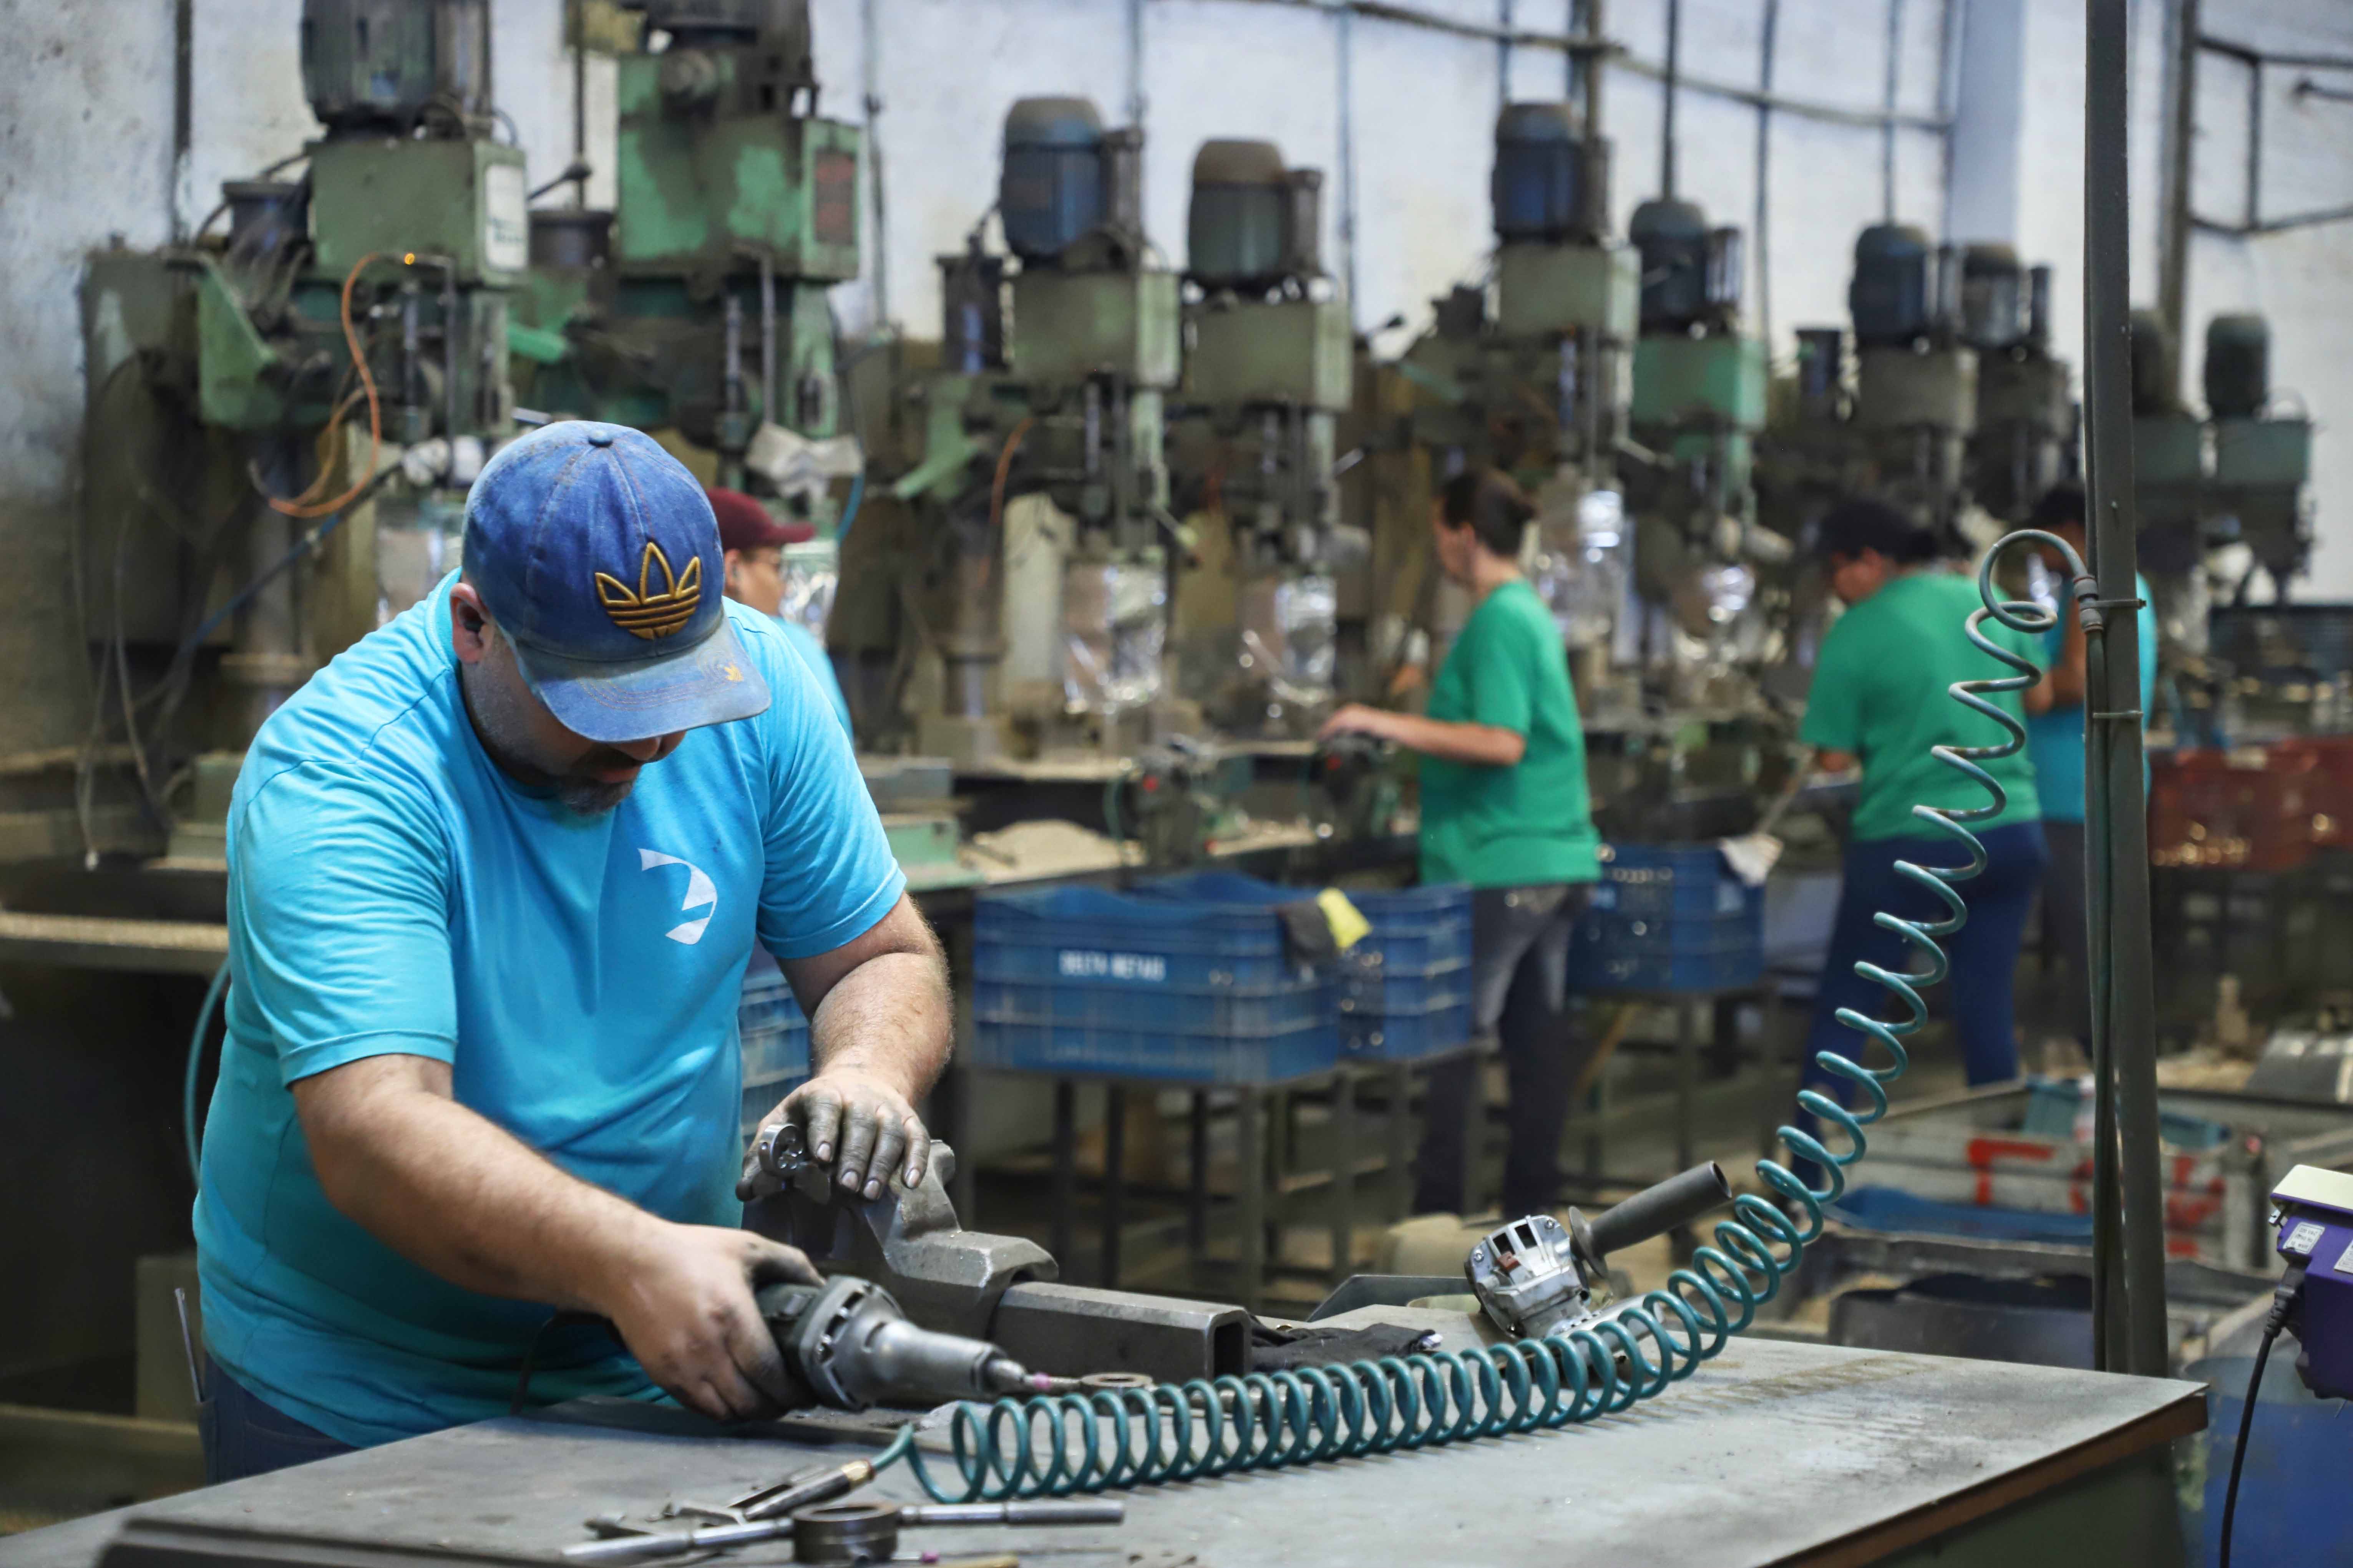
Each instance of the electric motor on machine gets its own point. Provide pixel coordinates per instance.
(1547, 178)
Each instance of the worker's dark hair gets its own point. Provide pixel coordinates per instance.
(1490, 505)
(1854, 526)
(2060, 505)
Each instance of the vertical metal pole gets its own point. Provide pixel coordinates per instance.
(2182, 26)
(578, 8)
(1503, 55)
(2115, 802)
(1887, 125)
(1667, 101)
(1066, 1172)
(1345, 48)
(1771, 24)
(1592, 70)
(1115, 1213)
(871, 30)
(183, 66)
(1136, 104)
(1197, 1211)
(2254, 144)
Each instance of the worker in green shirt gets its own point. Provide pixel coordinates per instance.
(1503, 809)
(1880, 701)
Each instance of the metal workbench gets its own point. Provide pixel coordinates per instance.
(1774, 1453)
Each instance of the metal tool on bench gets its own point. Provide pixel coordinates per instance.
(804, 1508)
(1538, 1276)
(1001, 1288)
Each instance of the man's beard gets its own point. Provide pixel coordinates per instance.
(577, 789)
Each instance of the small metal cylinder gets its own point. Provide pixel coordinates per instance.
(846, 1533)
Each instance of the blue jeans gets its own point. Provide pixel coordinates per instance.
(1984, 952)
(245, 1436)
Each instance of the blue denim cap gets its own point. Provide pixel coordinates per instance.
(596, 551)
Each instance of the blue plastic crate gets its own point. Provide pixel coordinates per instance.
(1214, 1010)
(1091, 1049)
(1416, 931)
(1653, 934)
(1603, 966)
(1371, 988)
(1089, 935)
(1674, 881)
(1405, 1037)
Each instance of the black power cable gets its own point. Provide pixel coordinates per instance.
(2283, 1299)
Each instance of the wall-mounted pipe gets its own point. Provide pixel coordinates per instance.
(1770, 26)
(870, 32)
(1887, 110)
(1667, 101)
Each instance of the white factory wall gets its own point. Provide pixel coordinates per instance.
(85, 128)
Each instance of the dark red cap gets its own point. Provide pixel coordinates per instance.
(745, 524)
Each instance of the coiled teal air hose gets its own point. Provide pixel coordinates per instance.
(1053, 1445)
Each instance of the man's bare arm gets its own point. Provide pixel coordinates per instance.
(881, 1025)
(454, 1193)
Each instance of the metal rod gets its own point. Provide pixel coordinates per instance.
(2308, 87)
(2173, 213)
(871, 30)
(2254, 55)
(1136, 104)
(579, 97)
(1948, 93)
(769, 413)
(2116, 803)
(1590, 64)
(1887, 123)
(1764, 50)
(2273, 224)
(2255, 142)
(184, 50)
(1114, 1211)
(1343, 56)
(1503, 55)
(1667, 101)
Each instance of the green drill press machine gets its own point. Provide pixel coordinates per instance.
(282, 423)
(700, 303)
(1269, 366)
(1052, 385)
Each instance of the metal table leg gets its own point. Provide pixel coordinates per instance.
(1114, 1160)
(1250, 1178)
(1066, 1169)
(1401, 1125)
(1475, 1131)
(1197, 1216)
(1343, 1174)
(1686, 1078)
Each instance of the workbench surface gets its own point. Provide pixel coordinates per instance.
(1772, 1453)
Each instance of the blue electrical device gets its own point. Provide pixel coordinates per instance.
(2315, 1210)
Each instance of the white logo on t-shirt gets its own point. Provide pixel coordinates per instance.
(700, 894)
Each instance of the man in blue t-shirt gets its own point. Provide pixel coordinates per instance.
(494, 875)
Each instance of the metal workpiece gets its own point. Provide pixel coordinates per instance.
(907, 1239)
(1075, 1331)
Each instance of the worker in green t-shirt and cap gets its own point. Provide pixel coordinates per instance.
(1503, 809)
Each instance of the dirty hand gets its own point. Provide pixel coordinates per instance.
(859, 1117)
(681, 1299)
